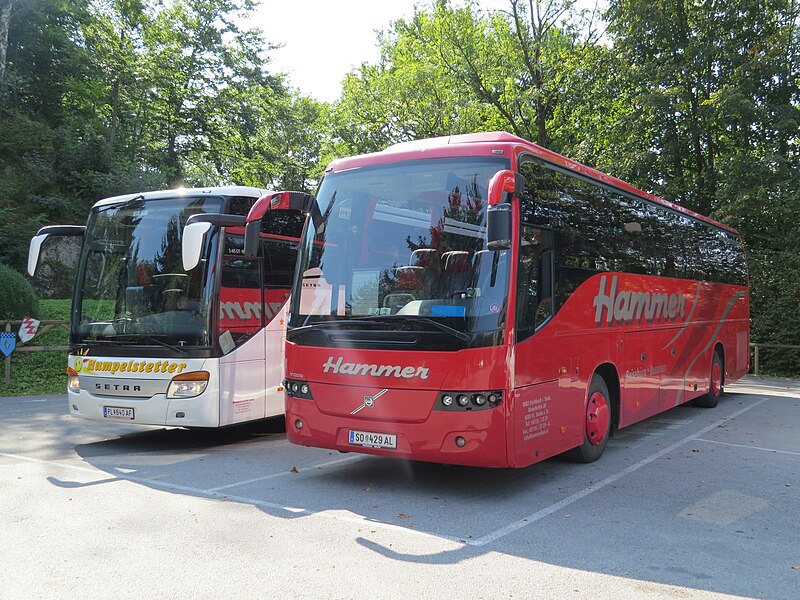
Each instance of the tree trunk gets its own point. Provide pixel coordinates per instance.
(6, 8)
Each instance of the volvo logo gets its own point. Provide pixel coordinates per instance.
(369, 401)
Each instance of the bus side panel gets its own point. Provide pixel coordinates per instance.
(641, 377)
(720, 317)
(241, 382)
(275, 353)
(537, 425)
(548, 416)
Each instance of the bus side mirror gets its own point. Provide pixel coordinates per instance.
(498, 227)
(194, 235)
(35, 247)
(252, 234)
(195, 231)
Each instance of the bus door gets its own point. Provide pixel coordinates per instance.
(538, 409)
(280, 256)
(241, 338)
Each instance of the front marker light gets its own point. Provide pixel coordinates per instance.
(188, 385)
(73, 384)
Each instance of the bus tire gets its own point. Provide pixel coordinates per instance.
(597, 423)
(716, 382)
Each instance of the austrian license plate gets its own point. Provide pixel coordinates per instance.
(373, 440)
(117, 412)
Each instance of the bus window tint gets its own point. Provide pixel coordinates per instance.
(601, 229)
(240, 298)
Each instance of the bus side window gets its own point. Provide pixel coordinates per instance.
(280, 257)
(534, 281)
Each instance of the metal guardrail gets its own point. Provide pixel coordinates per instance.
(46, 326)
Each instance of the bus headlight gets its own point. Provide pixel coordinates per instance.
(468, 401)
(73, 384)
(188, 385)
(298, 389)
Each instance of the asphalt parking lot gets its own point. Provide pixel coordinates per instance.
(690, 503)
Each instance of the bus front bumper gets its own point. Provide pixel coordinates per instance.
(469, 438)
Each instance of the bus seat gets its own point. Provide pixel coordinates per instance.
(409, 278)
(457, 270)
(427, 258)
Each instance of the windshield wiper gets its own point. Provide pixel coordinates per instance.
(464, 337)
(149, 338)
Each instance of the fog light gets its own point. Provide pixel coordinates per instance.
(462, 400)
(447, 400)
(188, 385)
(298, 424)
(479, 399)
(461, 442)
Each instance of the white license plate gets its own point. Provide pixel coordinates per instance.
(373, 440)
(117, 412)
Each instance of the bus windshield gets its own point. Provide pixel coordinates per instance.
(131, 286)
(404, 243)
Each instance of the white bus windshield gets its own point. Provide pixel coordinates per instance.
(131, 284)
(405, 242)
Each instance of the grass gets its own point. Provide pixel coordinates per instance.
(38, 373)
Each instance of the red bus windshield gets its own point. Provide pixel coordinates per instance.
(403, 243)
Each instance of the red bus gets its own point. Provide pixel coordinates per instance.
(480, 300)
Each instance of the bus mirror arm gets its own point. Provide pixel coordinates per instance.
(503, 188)
(38, 240)
(301, 201)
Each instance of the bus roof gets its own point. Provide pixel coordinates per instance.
(232, 190)
(499, 143)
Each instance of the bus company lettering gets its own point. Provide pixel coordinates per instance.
(246, 311)
(91, 366)
(627, 307)
(342, 368)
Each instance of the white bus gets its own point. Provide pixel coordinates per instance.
(171, 324)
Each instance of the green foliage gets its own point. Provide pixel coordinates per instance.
(17, 298)
(104, 97)
(695, 101)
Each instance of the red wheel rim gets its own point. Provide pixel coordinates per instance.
(598, 417)
(716, 379)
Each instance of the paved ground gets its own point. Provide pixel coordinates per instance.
(691, 503)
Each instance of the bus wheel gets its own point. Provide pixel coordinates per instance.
(597, 423)
(715, 387)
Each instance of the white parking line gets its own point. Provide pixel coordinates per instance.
(292, 510)
(749, 447)
(282, 474)
(216, 493)
(541, 514)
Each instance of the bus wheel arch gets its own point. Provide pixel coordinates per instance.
(599, 418)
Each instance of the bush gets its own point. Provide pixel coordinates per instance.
(17, 298)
